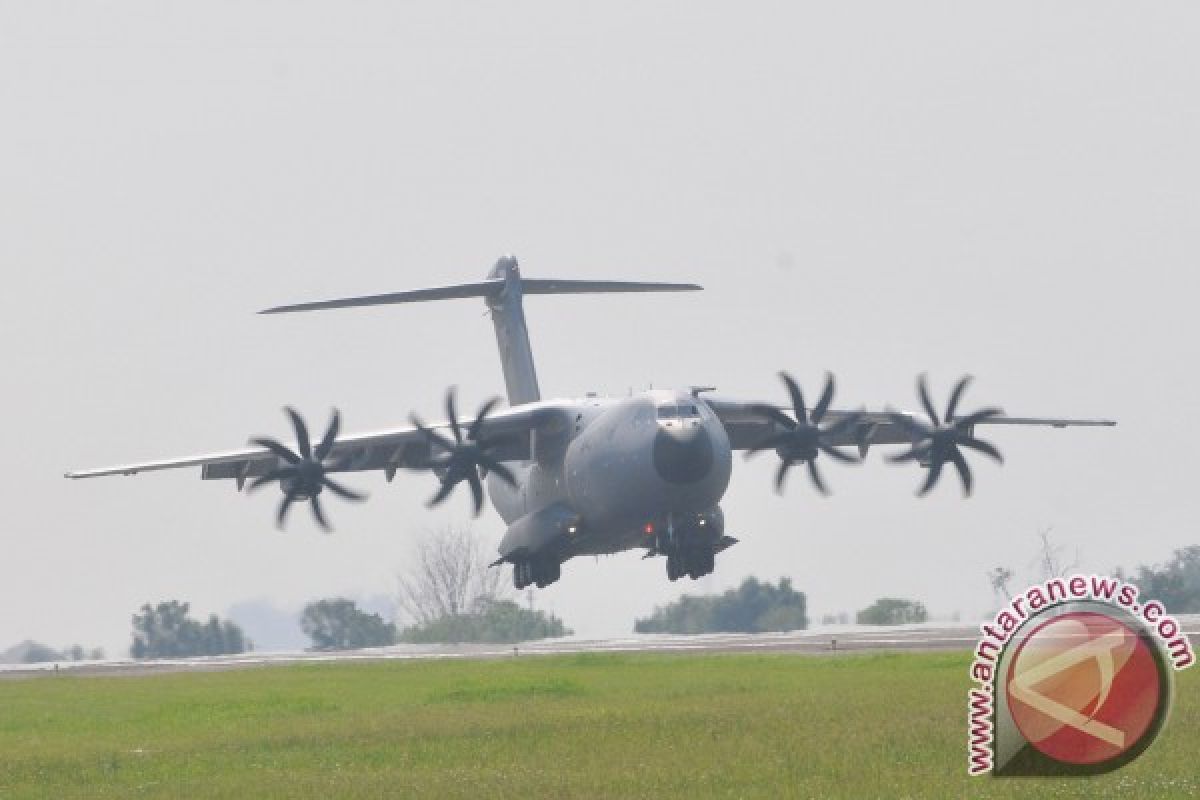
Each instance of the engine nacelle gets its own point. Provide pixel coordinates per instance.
(541, 532)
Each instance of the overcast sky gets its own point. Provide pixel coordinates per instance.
(878, 189)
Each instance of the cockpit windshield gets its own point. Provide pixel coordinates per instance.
(677, 412)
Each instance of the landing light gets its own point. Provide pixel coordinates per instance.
(571, 529)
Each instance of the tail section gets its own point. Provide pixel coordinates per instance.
(503, 291)
(512, 336)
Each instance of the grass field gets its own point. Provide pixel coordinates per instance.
(559, 726)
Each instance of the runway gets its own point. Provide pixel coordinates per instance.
(827, 640)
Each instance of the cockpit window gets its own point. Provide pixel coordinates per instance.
(689, 411)
(668, 412)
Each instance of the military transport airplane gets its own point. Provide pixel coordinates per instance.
(594, 475)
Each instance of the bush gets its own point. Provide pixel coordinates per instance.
(1175, 584)
(892, 611)
(753, 607)
(339, 624)
(500, 622)
(166, 631)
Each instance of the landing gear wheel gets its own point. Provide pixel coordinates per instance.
(544, 572)
(522, 574)
(673, 568)
(699, 563)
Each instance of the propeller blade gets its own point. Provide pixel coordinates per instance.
(302, 441)
(987, 448)
(452, 415)
(914, 453)
(836, 455)
(935, 471)
(276, 448)
(492, 465)
(923, 392)
(318, 514)
(477, 424)
(273, 475)
(815, 475)
(964, 471)
(797, 397)
(781, 475)
(476, 490)
(335, 424)
(774, 414)
(342, 491)
(442, 493)
(955, 396)
(826, 399)
(432, 436)
(283, 510)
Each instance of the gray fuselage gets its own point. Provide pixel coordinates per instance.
(642, 471)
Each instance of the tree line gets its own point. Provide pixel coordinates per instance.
(450, 594)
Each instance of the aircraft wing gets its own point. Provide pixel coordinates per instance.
(389, 450)
(747, 429)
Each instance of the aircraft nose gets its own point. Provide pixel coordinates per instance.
(683, 454)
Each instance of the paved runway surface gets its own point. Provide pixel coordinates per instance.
(822, 640)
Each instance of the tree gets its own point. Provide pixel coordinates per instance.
(1049, 561)
(338, 624)
(999, 578)
(751, 608)
(37, 653)
(450, 577)
(502, 621)
(31, 652)
(892, 611)
(1175, 584)
(166, 631)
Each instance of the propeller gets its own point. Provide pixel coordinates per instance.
(465, 454)
(803, 439)
(304, 475)
(940, 442)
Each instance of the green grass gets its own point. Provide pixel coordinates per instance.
(556, 726)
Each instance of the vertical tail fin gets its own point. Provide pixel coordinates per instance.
(512, 335)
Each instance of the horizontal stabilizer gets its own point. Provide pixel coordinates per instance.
(481, 289)
(488, 288)
(545, 286)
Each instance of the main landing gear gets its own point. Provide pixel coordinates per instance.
(694, 562)
(539, 571)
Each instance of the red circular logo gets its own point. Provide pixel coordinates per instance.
(1084, 688)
